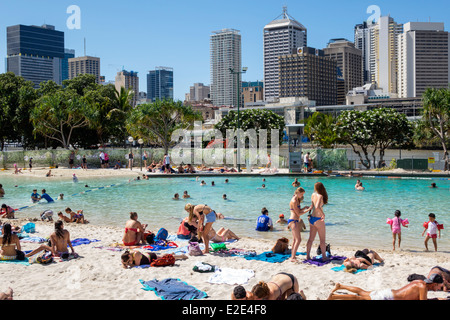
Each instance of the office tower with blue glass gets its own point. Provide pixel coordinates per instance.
(68, 54)
(160, 84)
(35, 53)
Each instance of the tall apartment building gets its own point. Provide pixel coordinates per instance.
(281, 37)
(308, 73)
(423, 58)
(68, 54)
(363, 36)
(35, 53)
(349, 61)
(252, 92)
(199, 92)
(225, 54)
(160, 84)
(385, 48)
(128, 80)
(85, 65)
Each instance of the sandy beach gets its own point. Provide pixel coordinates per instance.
(98, 273)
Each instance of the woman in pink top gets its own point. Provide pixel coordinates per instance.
(396, 225)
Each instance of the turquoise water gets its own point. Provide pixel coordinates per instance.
(354, 218)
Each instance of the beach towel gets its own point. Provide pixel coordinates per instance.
(342, 268)
(33, 240)
(160, 245)
(80, 241)
(318, 260)
(271, 257)
(173, 289)
(22, 262)
(231, 276)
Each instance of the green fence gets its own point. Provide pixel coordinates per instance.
(412, 164)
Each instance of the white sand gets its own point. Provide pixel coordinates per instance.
(98, 273)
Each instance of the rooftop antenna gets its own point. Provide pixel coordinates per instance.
(85, 47)
(285, 14)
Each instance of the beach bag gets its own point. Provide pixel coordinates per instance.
(45, 258)
(167, 260)
(162, 234)
(319, 251)
(149, 237)
(281, 246)
(203, 267)
(29, 228)
(194, 249)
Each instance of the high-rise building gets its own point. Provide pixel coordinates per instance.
(84, 65)
(199, 92)
(35, 53)
(385, 45)
(349, 61)
(130, 81)
(308, 73)
(281, 37)
(363, 42)
(160, 84)
(423, 59)
(68, 54)
(225, 54)
(252, 92)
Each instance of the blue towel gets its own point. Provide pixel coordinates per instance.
(342, 268)
(80, 241)
(23, 262)
(173, 289)
(271, 257)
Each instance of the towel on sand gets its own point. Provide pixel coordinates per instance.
(173, 289)
(80, 241)
(318, 260)
(231, 276)
(342, 268)
(271, 257)
(22, 262)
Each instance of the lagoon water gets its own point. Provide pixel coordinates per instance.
(353, 218)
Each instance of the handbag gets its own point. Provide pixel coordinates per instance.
(194, 249)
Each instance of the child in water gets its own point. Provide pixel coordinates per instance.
(396, 224)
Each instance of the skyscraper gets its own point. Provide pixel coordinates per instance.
(308, 73)
(160, 84)
(199, 92)
(225, 54)
(349, 61)
(281, 37)
(85, 65)
(130, 81)
(35, 53)
(385, 46)
(363, 36)
(423, 59)
(68, 54)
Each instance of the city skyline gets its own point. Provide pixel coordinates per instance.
(177, 34)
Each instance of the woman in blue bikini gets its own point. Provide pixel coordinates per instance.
(293, 222)
(317, 219)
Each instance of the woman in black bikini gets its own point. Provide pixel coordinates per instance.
(136, 258)
(363, 259)
(280, 287)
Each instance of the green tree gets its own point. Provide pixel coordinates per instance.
(17, 97)
(57, 115)
(320, 130)
(436, 117)
(253, 119)
(156, 122)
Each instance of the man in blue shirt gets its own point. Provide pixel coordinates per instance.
(264, 222)
(46, 196)
(35, 197)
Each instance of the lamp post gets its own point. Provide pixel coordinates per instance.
(141, 142)
(238, 73)
(130, 161)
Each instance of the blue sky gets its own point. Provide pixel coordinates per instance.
(139, 35)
